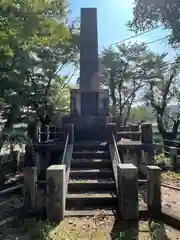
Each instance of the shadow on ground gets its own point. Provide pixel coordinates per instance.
(99, 227)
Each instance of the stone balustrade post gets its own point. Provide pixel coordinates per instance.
(174, 158)
(56, 187)
(147, 138)
(148, 149)
(128, 191)
(154, 190)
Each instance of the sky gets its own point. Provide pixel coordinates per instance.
(112, 18)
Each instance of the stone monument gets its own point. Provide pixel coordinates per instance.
(89, 104)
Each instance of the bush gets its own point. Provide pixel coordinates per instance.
(163, 161)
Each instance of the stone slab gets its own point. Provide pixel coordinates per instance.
(127, 175)
(56, 188)
(154, 190)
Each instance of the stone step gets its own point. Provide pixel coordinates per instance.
(91, 163)
(91, 200)
(90, 145)
(90, 154)
(90, 212)
(93, 185)
(91, 173)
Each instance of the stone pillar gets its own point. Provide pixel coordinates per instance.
(148, 148)
(111, 129)
(174, 158)
(128, 191)
(30, 179)
(147, 138)
(56, 187)
(89, 61)
(154, 190)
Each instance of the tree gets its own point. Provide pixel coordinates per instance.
(141, 113)
(126, 69)
(151, 13)
(35, 44)
(162, 91)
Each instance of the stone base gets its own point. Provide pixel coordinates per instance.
(86, 122)
(88, 128)
(89, 103)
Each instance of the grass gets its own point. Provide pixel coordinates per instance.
(99, 227)
(171, 177)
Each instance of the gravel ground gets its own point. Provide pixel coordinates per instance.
(170, 198)
(99, 227)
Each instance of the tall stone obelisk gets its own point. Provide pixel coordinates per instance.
(89, 64)
(89, 105)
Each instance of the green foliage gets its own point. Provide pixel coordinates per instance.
(141, 113)
(127, 69)
(160, 91)
(35, 45)
(150, 13)
(162, 160)
(171, 176)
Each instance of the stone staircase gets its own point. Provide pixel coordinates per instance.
(91, 186)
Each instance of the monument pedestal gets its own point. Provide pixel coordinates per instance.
(92, 103)
(87, 127)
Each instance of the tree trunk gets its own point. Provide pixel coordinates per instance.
(11, 118)
(128, 113)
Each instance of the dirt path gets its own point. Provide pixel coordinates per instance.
(170, 197)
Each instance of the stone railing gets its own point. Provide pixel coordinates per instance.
(125, 176)
(57, 177)
(113, 150)
(127, 183)
(57, 180)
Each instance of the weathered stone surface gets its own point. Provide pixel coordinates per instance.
(89, 104)
(132, 156)
(135, 128)
(89, 62)
(56, 192)
(128, 191)
(147, 138)
(30, 179)
(75, 102)
(174, 158)
(154, 190)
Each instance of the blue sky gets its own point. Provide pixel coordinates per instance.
(112, 18)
